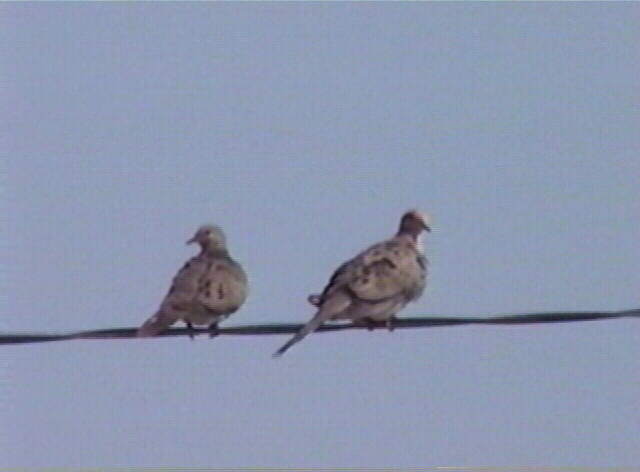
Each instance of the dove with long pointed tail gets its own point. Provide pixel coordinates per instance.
(376, 284)
(206, 290)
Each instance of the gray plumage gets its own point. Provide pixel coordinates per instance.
(206, 290)
(376, 284)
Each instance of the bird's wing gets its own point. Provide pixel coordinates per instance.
(380, 272)
(179, 299)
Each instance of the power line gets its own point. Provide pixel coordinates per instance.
(288, 328)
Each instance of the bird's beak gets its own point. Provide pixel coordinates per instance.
(192, 240)
(426, 227)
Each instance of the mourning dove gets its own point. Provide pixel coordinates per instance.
(376, 284)
(206, 290)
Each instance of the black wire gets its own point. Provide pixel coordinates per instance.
(280, 328)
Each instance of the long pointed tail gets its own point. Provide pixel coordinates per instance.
(338, 302)
(156, 324)
(320, 317)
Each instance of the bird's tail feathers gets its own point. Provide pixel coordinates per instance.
(330, 307)
(156, 324)
(320, 317)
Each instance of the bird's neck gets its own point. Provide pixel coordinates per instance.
(415, 239)
(420, 243)
(407, 234)
(214, 251)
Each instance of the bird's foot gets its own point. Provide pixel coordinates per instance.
(213, 330)
(367, 322)
(191, 330)
(390, 323)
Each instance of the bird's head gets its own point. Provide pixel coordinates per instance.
(209, 236)
(414, 222)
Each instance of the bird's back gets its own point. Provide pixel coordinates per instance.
(386, 269)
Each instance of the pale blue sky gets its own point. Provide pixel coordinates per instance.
(305, 130)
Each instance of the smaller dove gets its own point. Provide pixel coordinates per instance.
(206, 290)
(376, 284)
